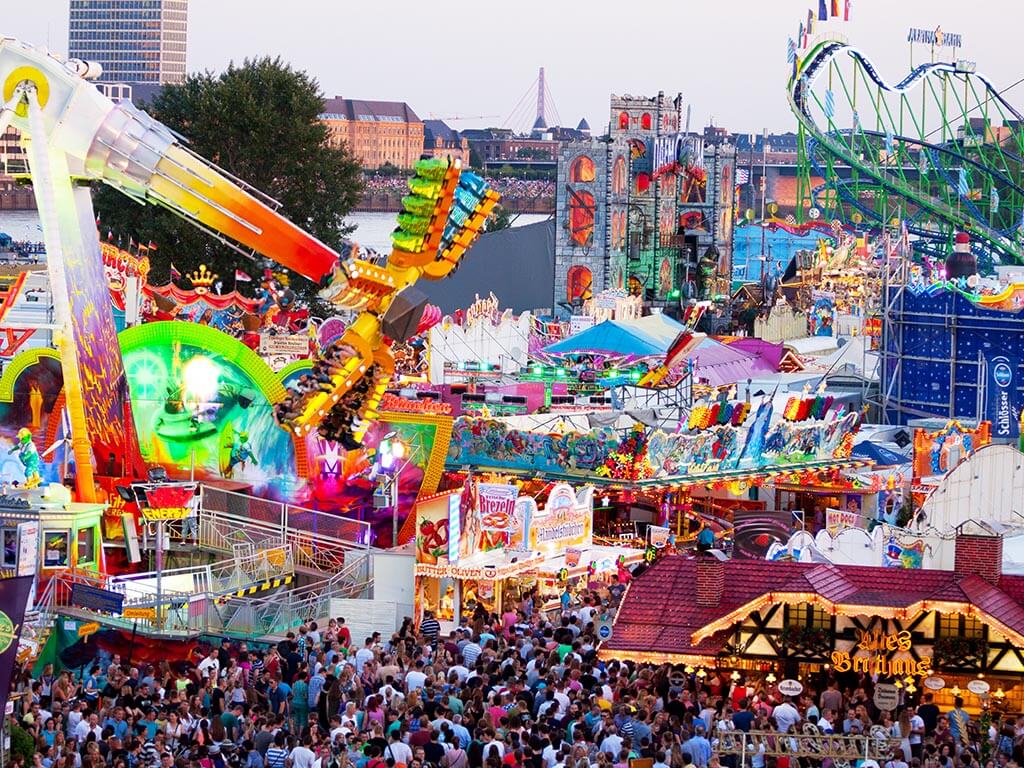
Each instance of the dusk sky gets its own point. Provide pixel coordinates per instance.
(475, 58)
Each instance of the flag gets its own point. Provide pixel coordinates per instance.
(796, 66)
(835, 8)
(175, 274)
(742, 176)
(963, 185)
(890, 143)
(830, 104)
(994, 199)
(110, 236)
(809, 29)
(801, 37)
(846, 10)
(14, 595)
(790, 50)
(822, 11)
(241, 277)
(151, 245)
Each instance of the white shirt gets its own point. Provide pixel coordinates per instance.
(302, 757)
(499, 744)
(206, 665)
(916, 723)
(415, 680)
(549, 756)
(363, 655)
(612, 745)
(460, 671)
(83, 728)
(785, 715)
(400, 751)
(563, 703)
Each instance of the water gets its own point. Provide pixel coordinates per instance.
(373, 230)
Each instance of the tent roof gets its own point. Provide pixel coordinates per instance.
(648, 336)
(882, 456)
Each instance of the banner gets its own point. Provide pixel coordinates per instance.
(13, 599)
(1002, 405)
(498, 507)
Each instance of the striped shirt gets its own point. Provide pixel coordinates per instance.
(431, 628)
(276, 757)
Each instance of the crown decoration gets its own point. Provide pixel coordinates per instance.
(203, 279)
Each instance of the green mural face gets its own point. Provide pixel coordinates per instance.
(199, 398)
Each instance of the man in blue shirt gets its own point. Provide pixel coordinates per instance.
(277, 697)
(698, 747)
(117, 723)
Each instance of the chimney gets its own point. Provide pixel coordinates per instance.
(979, 555)
(710, 581)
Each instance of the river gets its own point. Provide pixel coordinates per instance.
(372, 229)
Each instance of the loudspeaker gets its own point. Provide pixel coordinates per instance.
(403, 316)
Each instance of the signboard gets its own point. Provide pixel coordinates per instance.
(13, 599)
(565, 521)
(887, 696)
(979, 687)
(572, 557)
(284, 345)
(876, 656)
(96, 599)
(166, 513)
(579, 323)
(131, 538)
(604, 631)
(839, 519)
(1002, 406)
(89, 629)
(497, 504)
(934, 683)
(139, 613)
(677, 150)
(791, 687)
(658, 536)
(935, 37)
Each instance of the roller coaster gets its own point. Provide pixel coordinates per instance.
(940, 151)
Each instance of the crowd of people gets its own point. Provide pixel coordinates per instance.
(520, 689)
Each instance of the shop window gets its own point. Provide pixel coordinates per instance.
(810, 616)
(955, 625)
(645, 121)
(86, 546)
(581, 217)
(10, 542)
(582, 169)
(619, 176)
(623, 121)
(55, 549)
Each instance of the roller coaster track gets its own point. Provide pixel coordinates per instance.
(936, 184)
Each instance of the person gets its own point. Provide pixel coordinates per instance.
(430, 627)
(929, 713)
(959, 721)
(786, 715)
(302, 756)
(705, 539)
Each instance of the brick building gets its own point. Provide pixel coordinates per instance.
(375, 132)
(439, 140)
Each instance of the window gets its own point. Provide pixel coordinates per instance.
(579, 282)
(623, 121)
(645, 121)
(643, 183)
(955, 625)
(86, 546)
(10, 542)
(55, 552)
(619, 176)
(810, 616)
(582, 169)
(581, 217)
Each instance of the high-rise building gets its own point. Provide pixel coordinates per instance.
(136, 41)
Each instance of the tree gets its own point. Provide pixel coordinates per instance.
(260, 122)
(499, 219)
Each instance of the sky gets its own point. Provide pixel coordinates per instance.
(479, 59)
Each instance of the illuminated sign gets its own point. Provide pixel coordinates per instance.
(565, 520)
(879, 648)
(935, 37)
(166, 513)
(454, 527)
